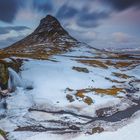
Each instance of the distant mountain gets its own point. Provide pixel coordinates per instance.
(48, 38)
(130, 50)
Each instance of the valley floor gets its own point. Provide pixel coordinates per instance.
(77, 95)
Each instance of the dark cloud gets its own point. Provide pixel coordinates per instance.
(83, 16)
(91, 19)
(8, 9)
(43, 5)
(66, 12)
(122, 4)
(5, 30)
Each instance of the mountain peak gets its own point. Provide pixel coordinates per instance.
(48, 38)
(51, 25)
(49, 19)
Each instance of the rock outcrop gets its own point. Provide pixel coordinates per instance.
(3, 75)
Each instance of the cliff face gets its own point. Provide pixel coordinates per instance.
(48, 38)
(3, 75)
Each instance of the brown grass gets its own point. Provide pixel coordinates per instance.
(88, 100)
(123, 64)
(94, 63)
(112, 91)
(82, 93)
(107, 63)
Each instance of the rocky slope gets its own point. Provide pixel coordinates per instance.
(48, 38)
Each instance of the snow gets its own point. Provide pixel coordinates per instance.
(128, 132)
(82, 50)
(1, 138)
(51, 79)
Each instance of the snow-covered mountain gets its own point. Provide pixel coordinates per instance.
(48, 39)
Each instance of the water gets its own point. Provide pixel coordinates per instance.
(14, 80)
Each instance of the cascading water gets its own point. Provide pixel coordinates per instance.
(14, 80)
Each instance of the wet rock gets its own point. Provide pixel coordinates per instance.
(4, 74)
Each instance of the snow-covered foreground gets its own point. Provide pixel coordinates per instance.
(128, 132)
(72, 98)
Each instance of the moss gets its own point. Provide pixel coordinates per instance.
(4, 75)
(2, 133)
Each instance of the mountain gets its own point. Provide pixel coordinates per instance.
(48, 38)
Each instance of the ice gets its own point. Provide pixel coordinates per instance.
(14, 80)
(128, 132)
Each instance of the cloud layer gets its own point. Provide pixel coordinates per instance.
(84, 19)
(122, 4)
(7, 29)
(10, 34)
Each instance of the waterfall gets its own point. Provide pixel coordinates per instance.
(14, 80)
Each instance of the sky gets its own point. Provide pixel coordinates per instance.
(99, 23)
